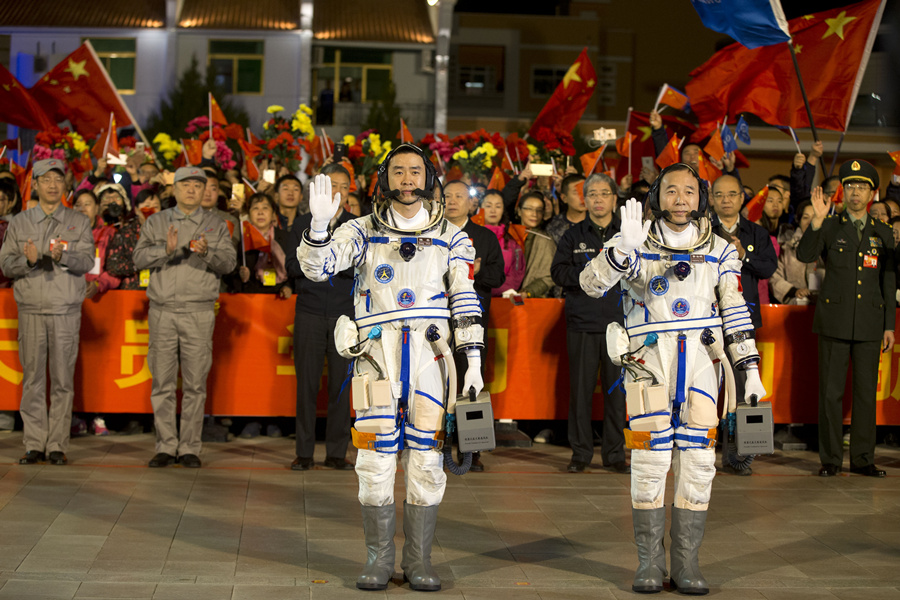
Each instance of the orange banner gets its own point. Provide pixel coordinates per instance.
(526, 367)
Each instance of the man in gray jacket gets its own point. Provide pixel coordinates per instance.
(187, 251)
(46, 251)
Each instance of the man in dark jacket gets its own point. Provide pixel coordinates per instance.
(586, 321)
(489, 271)
(319, 305)
(855, 314)
(754, 246)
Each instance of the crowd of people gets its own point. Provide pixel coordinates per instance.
(532, 239)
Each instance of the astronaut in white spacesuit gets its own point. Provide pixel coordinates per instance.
(683, 309)
(414, 272)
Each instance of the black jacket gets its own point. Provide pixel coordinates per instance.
(857, 300)
(329, 299)
(576, 248)
(491, 273)
(759, 262)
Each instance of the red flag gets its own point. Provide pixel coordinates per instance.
(715, 148)
(108, 143)
(895, 155)
(589, 161)
(26, 188)
(373, 181)
(498, 181)
(838, 197)
(404, 134)
(217, 115)
(642, 141)
(345, 162)
(756, 204)
(832, 49)
(623, 144)
(254, 239)
(570, 99)
(193, 151)
(672, 97)
(706, 170)
(672, 152)
(80, 90)
(17, 105)
(579, 189)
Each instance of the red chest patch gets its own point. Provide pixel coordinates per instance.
(870, 261)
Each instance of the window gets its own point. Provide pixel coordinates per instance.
(118, 55)
(545, 79)
(358, 74)
(238, 65)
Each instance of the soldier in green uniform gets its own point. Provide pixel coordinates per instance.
(854, 316)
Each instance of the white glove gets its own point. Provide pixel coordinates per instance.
(509, 293)
(473, 373)
(633, 230)
(753, 386)
(322, 205)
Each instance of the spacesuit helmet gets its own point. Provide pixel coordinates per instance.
(431, 194)
(699, 217)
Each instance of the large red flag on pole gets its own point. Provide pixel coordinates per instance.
(570, 99)
(832, 50)
(79, 89)
(18, 107)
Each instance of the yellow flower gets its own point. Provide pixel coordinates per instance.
(304, 108)
(349, 139)
(386, 147)
(266, 125)
(532, 150)
(162, 138)
(461, 154)
(489, 149)
(274, 109)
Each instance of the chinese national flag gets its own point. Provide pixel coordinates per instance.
(895, 155)
(642, 141)
(756, 204)
(345, 162)
(672, 152)
(706, 170)
(715, 148)
(254, 239)
(404, 134)
(498, 181)
(568, 102)
(672, 97)
(107, 143)
(17, 105)
(80, 90)
(832, 49)
(216, 113)
(589, 161)
(623, 144)
(193, 151)
(249, 150)
(838, 198)
(25, 188)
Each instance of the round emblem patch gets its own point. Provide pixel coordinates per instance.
(659, 285)
(406, 298)
(681, 308)
(384, 273)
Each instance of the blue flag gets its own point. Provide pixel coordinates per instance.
(728, 143)
(742, 130)
(753, 23)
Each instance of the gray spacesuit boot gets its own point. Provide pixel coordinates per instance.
(418, 527)
(379, 524)
(687, 533)
(649, 531)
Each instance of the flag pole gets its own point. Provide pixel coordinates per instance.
(812, 125)
(835, 157)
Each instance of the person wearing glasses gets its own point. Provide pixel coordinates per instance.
(586, 321)
(47, 251)
(758, 262)
(539, 247)
(855, 314)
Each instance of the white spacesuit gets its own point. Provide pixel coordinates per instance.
(414, 277)
(682, 300)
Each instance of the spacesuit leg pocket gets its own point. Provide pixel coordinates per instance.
(701, 410)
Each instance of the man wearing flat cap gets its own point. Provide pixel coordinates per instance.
(46, 251)
(854, 315)
(187, 251)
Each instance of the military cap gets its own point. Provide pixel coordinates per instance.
(858, 170)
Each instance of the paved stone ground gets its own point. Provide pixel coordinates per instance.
(246, 527)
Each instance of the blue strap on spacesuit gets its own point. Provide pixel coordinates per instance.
(404, 367)
(680, 380)
(403, 240)
(679, 257)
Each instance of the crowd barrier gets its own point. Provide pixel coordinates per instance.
(526, 368)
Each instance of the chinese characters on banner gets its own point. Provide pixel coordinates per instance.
(253, 368)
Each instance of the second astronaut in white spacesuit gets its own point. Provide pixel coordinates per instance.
(683, 309)
(413, 290)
